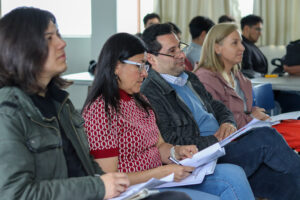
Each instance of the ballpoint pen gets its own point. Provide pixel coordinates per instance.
(174, 161)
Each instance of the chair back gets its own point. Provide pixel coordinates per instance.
(263, 96)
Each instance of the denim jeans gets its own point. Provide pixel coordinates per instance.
(228, 182)
(272, 167)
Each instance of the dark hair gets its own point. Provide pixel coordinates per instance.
(176, 30)
(199, 24)
(118, 47)
(24, 49)
(150, 34)
(250, 20)
(150, 16)
(225, 18)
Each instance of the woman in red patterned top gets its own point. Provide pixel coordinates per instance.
(121, 125)
(119, 121)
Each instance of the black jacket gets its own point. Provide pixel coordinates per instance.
(174, 119)
(253, 60)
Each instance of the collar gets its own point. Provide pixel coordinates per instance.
(193, 44)
(124, 95)
(180, 80)
(247, 41)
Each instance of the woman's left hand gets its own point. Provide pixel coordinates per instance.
(185, 151)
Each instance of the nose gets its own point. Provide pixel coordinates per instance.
(61, 44)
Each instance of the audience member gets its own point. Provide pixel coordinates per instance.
(219, 73)
(199, 26)
(177, 31)
(122, 130)
(151, 18)
(254, 62)
(187, 114)
(225, 18)
(44, 152)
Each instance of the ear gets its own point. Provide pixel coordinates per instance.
(151, 59)
(118, 67)
(218, 49)
(203, 34)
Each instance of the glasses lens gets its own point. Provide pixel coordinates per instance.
(182, 46)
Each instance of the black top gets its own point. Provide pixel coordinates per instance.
(253, 58)
(47, 108)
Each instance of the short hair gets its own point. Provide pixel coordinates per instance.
(117, 48)
(199, 24)
(225, 18)
(24, 49)
(150, 34)
(250, 20)
(209, 59)
(150, 16)
(176, 29)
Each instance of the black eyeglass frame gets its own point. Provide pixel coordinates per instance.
(164, 54)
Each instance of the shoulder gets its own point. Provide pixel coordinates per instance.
(206, 76)
(93, 109)
(10, 100)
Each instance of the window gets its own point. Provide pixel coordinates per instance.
(246, 7)
(73, 16)
(127, 15)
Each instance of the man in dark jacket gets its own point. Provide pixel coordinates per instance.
(187, 114)
(254, 63)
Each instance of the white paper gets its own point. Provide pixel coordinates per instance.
(254, 123)
(284, 116)
(152, 183)
(204, 156)
(196, 177)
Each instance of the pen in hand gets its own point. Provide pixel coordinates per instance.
(175, 161)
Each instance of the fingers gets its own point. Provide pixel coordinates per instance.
(115, 183)
(225, 130)
(187, 151)
(183, 172)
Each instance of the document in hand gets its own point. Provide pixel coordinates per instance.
(140, 189)
(290, 115)
(254, 123)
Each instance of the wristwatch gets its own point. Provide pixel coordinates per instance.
(172, 153)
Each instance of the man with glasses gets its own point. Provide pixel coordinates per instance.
(167, 60)
(254, 62)
(187, 114)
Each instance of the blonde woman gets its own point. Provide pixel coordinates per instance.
(275, 164)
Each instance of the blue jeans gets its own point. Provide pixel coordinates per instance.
(272, 167)
(228, 182)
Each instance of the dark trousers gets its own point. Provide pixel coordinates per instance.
(272, 167)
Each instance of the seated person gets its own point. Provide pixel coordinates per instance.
(225, 18)
(177, 31)
(122, 131)
(254, 63)
(43, 148)
(187, 114)
(42, 157)
(199, 26)
(225, 82)
(151, 18)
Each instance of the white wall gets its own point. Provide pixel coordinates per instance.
(81, 50)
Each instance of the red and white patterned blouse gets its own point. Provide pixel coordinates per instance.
(131, 135)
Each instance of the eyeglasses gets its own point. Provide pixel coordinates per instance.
(181, 47)
(141, 66)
